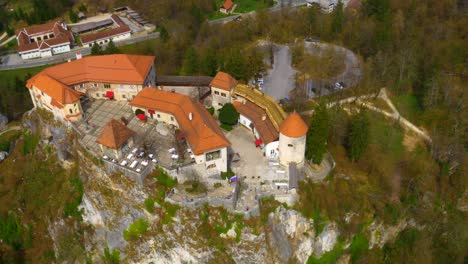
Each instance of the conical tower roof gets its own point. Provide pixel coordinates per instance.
(294, 126)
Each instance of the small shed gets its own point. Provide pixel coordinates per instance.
(227, 7)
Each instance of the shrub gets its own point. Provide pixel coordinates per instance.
(149, 205)
(111, 257)
(196, 187)
(228, 114)
(211, 110)
(164, 179)
(139, 111)
(228, 174)
(358, 246)
(136, 229)
(226, 127)
(217, 185)
(30, 143)
(71, 208)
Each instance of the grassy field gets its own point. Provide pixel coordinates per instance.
(9, 75)
(146, 47)
(243, 6)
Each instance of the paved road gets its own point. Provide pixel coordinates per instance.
(280, 79)
(352, 72)
(351, 75)
(14, 61)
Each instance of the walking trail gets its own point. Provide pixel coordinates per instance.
(394, 114)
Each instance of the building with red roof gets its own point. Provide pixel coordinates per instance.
(221, 89)
(119, 77)
(120, 31)
(227, 7)
(44, 40)
(202, 132)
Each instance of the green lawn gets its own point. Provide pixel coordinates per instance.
(146, 47)
(243, 6)
(9, 75)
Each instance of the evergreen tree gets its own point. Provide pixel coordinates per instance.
(337, 19)
(316, 143)
(228, 114)
(236, 66)
(358, 137)
(163, 34)
(111, 48)
(72, 16)
(209, 63)
(96, 49)
(190, 64)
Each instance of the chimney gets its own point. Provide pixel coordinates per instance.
(78, 55)
(190, 116)
(263, 117)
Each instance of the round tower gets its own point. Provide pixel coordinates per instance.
(292, 140)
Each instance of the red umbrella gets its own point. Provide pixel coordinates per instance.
(142, 117)
(258, 142)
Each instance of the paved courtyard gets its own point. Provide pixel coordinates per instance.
(148, 139)
(252, 163)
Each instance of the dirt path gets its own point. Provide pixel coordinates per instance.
(395, 114)
(10, 129)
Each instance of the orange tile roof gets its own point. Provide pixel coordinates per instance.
(228, 4)
(114, 134)
(60, 93)
(223, 81)
(116, 68)
(294, 126)
(202, 132)
(254, 113)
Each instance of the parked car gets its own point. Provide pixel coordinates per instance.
(239, 18)
(312, 39)
(339, 85)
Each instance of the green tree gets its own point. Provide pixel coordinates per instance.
(111, 48)
(209, 63)
(358, 137)
(236, 65)
(337, 19)
(379, 9)
(96, 49)
(316, 143)
(163, 34)
(190, 64)
(82, 8)
(228, 114)
(72, 16)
